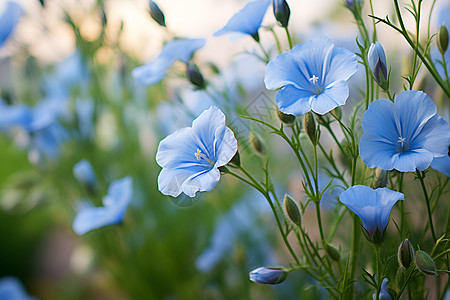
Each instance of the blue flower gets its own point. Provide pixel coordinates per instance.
(14, 115)
(84, 173)
(12, 289)
(178, 49)
(404, 135)
(377, 64)
(265, 275)
(115, 203)
(386, 293)
(191, 156)
(247, 20)
(372, 206)
(8, 20)
(313, 76)
(442, 164)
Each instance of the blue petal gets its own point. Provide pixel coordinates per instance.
(15, 115)
(409, 161)
(434, 137)
(12, 289)
(291, 100)
(84, 172)
(342, 66)
(376, 153)
(152, 72)
(120, 193)
(334, 95)
(283, 70)
(203, 182)
(9, 19)
(247, 20)
(376, 53)
(442, 164)
(91, 218)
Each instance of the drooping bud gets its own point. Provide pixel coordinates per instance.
(285, 118)
(442, 39)
(157, 14)
(377, 64)
(380, 179)
(291, 210)
(425, 263)
(194, 76)
(310, 127)
(405, 254)
(281, 12)
(256, 143)
(332, 252)
(265, 275)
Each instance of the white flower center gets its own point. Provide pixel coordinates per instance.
(314, 79)
(401, 140)
(199, 155)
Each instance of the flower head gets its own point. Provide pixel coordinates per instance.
(177, 49)
(372, 206)
(115, 203)
(191, 156)
(404, 135)
(377, 64)
(281, 12)
(265, 275)
(313, 76)
(247, 20)
(8, 20)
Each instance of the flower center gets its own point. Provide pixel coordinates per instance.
(199, 155)
(314, 79)
(403, 145)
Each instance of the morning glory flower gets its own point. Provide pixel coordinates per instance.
(177, 49)
(404, 135)
(312, 76)
(8, 20)
(84, 173)
(115, 203)
(12, 289)
(372, 206)
(247, 20)
(265, 275)
(191, 156)
(377, 64)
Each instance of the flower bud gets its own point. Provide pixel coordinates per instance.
(194, 76)
(376, 238)
(157, 14)
(442, 39)
(291, 210)
(310, 127)
(256, 143)
(405, 254)
(377, 64)
(265, 275)
(285, 118)
(425, 263)
(281, 12)
(332, 252)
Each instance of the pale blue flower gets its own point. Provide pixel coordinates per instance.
(404, 135)
(14, 115)
(386, 292)
(84, 173)
(9, 19)
(372, 206)
(442, 164)
(115, 204)
(247, 20)
(191, 156)
(12, 289)
(377, 64)
(265, 275)
(177, 49)
(312, 76)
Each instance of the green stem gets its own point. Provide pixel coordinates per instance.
(404, 284)
(289, 37)
(378, 258)
(421, 176)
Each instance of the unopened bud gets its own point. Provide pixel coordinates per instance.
(291, 210)
(405, 254)
(310, 127)
(194, 76)
(265, 275)
(332, 252)
(442, 39)
(256, 143)
(285, 118)
(425, 263)
(377, 64)
(157, 14)
(281, 12)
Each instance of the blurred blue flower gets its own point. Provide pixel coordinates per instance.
(115, 204)
(12, 289)
(372, 206)
(191, 156)
(442, 164)
(14, 115)
(9, 19)
(404, 135)
(313, 76)
(377, 64)
(177, 49)
(84, 173)
(385, 292)
(247, 20)
(265, 275)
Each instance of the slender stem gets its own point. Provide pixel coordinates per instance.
(277, 40)
(404, 284)
(264, 51)
(378, 258)
(289, 37)
(421, 176)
